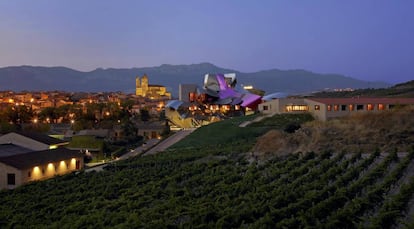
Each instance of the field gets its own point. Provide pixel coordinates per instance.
(217, 186)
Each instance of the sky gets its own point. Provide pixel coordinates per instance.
(366, 39)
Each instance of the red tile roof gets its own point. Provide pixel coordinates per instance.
(363, 100)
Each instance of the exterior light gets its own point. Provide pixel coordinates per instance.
(72, 121)
(35, 120)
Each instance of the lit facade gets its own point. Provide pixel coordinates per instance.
(328, 108)
(144, 89)
(216, 100)
(18, 169)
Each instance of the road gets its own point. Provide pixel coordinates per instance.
(169, 141)
(154, 146)
(137, 151)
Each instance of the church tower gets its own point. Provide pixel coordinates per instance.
(144, 85)
(138, 88)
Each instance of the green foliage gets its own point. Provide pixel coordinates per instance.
(86, 142)
(214, 186)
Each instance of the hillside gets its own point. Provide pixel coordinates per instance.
(212, 185)
(399, 90)
(366, 132)
(123, 79)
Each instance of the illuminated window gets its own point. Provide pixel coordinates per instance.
(359, 107)
(296, 108)
(317, 107)
(343, 107)
(351, 107)
(336, 107)
(329, 107)
(381, 106)
(370, 107)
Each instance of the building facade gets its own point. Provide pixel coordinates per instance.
(327, 108)
(144, 89)
(22, 168)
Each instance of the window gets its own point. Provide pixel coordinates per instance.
(381, 107)
(29, 174)
(11, 178)
(359, 107)
(265, 108)
(343, 107)
(351, 107)
(77, 164)
(296, 108)
(370, 107)
(336, 107)
(329, 107)
(317, 107)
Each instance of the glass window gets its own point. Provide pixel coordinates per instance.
(381, 106)
(343, 107)
(336, 107)
(370, 107)
(329, 107)
(11, 178)
(296, 107)
(359, 107)
(351, 107)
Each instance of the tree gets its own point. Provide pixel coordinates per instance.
(144, 115)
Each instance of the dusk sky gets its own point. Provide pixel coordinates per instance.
(370, 40)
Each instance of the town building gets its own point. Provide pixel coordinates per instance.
(185, 90)
(152, 91)
(26, 156)
(327, 108)
(216, 100)
(32, 140)
(21, 168)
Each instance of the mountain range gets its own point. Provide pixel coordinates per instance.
(33, 78)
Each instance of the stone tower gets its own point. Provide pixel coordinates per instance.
(138, 88)
(144, 85)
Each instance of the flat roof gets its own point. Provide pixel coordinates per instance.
(363, 100)
(36, 158)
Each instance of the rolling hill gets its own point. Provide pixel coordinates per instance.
(19, 78)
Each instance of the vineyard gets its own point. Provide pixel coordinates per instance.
(217, 187)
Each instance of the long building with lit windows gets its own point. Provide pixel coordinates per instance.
(21, 168)
(26, 157)
(327, 108)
